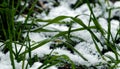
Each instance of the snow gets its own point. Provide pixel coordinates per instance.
(87, 48)
(36, 36)
(57, 27)
(5, 61)
(103, 22)
(117, 4)
(114, 27)
(41, 51)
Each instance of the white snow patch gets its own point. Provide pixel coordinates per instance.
(114, 27)
(103, 22)
(117, 4)
(42, 50)
(57, 27)
(38, 64)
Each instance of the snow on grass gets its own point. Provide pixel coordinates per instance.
(87, 48)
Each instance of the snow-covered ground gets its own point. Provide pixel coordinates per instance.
(87, 48)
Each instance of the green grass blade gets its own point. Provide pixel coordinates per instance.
(37, 46)
(98, 26)
(111, 58)
(56, 59)
(87, 28)
(98, 49)
(71, 47)
(55, 20)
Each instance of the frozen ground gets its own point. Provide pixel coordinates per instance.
(87, 48)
